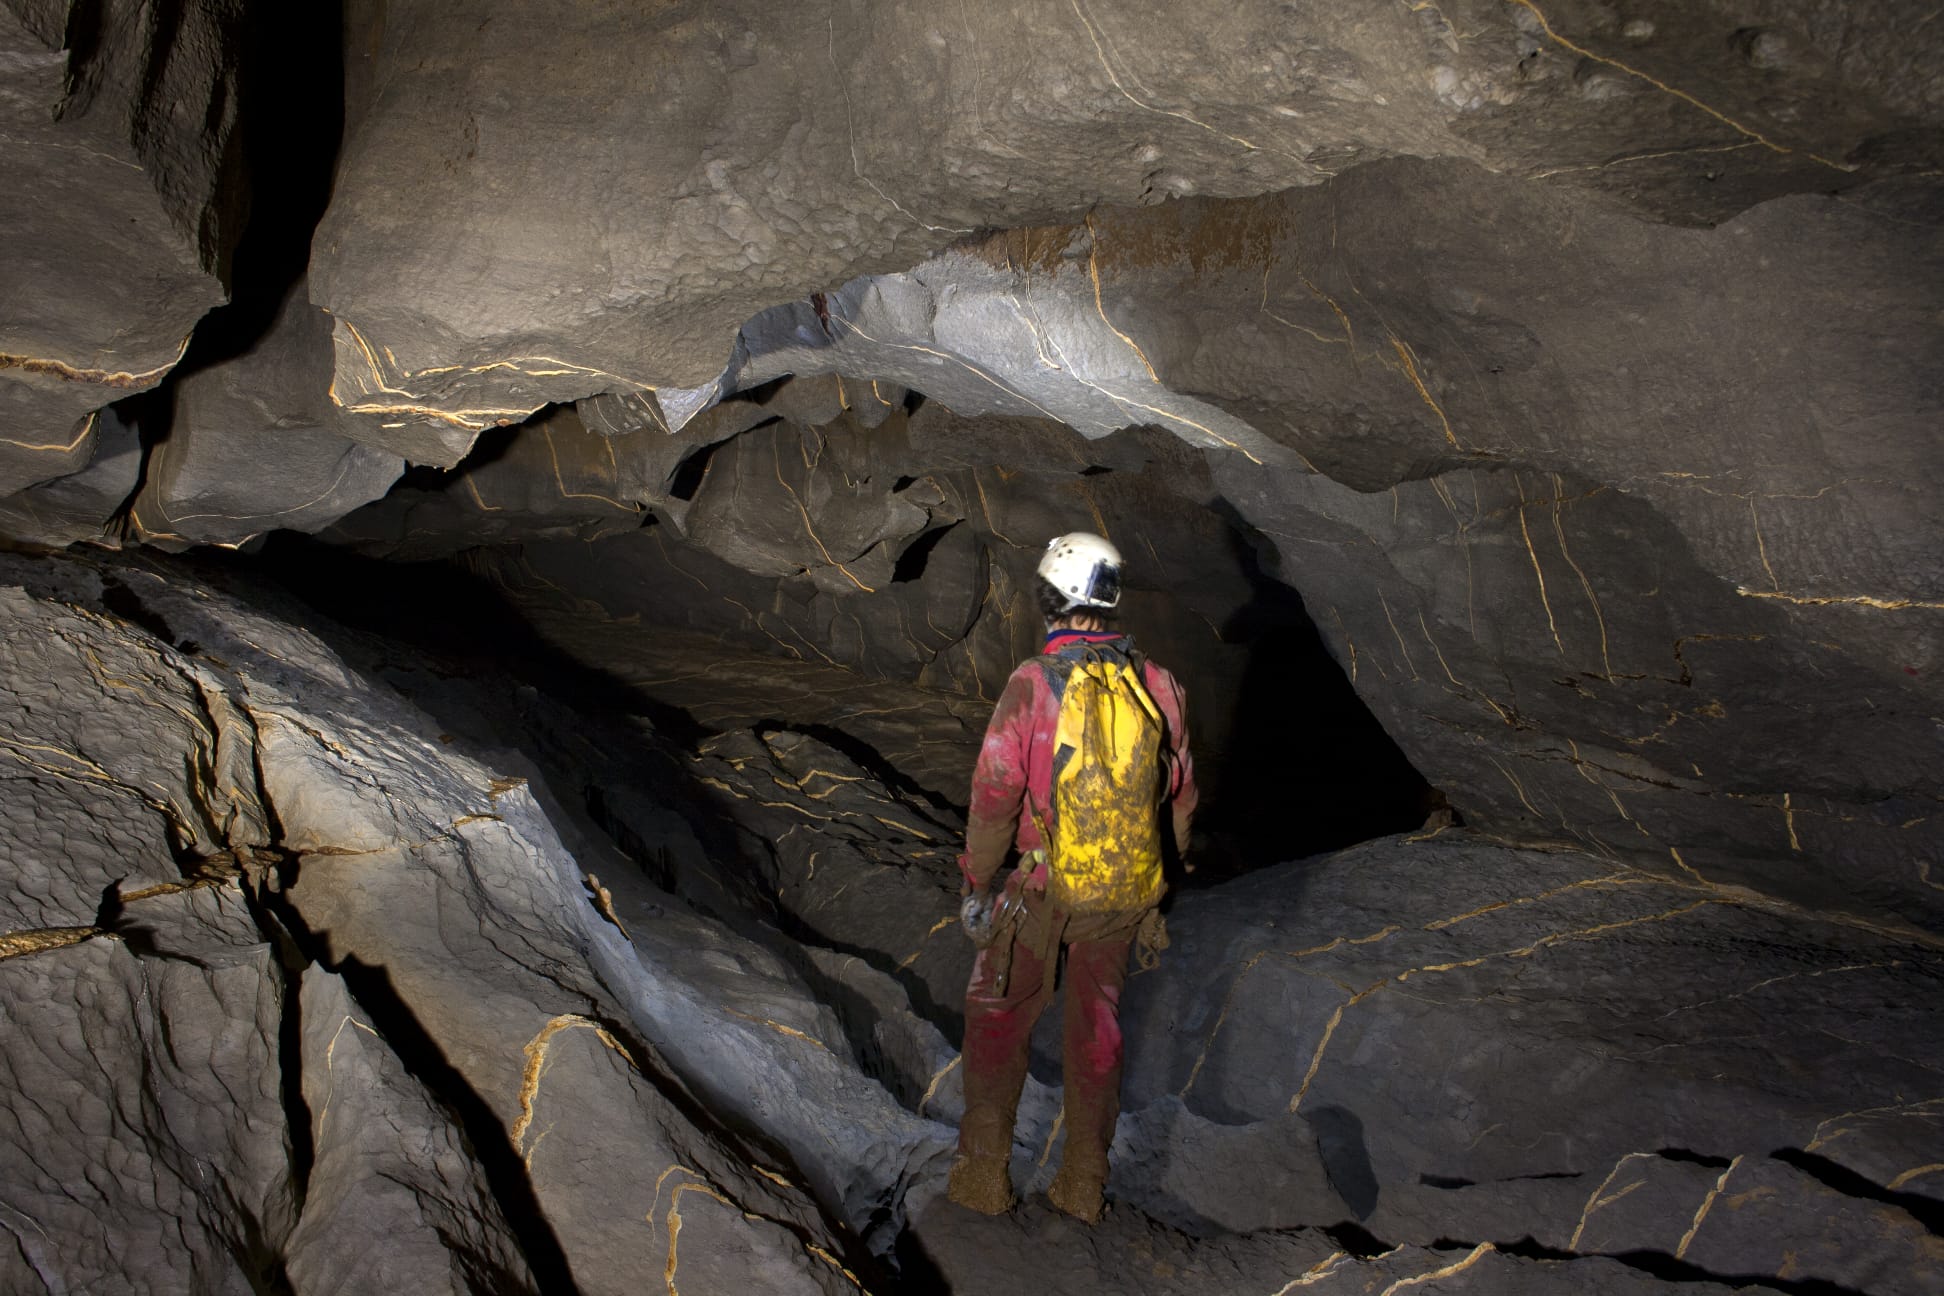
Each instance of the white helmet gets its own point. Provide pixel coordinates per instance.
(1084, 568)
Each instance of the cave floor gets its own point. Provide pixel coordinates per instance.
(1437, 1051)
(672, 930)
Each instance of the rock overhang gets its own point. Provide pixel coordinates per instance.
(1564, 371)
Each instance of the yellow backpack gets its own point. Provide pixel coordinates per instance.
(1104, 847)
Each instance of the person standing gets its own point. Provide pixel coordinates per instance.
(1086, 752)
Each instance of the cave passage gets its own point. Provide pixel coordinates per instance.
(1305, 768)
(515, 519)
(1290, 760)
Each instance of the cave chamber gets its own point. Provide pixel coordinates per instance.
(514, 529)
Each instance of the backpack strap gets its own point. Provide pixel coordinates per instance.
(1140, 663)
(1055, 668)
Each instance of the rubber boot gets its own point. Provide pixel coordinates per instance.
(982, 1183)
(1076, 1190)
(982, 1174)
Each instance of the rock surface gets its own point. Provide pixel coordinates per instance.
(1519, 418)
(1573, 367)
(593, 970)
(233, 720)
(254, 445)
(82, 505)
(121, 208)
(1583, 610)
(791, 153)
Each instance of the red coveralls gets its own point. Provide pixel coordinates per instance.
(1011, 783)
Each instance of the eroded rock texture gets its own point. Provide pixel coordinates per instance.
(155, 973)
(649, 999)
(788, 153)
(121, 208)
(254, 444)
(1519, 417)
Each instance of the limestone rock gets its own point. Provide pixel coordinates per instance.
(865, 868)
(492, 1014)
(1696, 1044)
(254, 444)
(423, 1193)
(985, 1257)
(1523, 536)
(984, 339)
(98, 798)
(790, 154)
(1445, 1044)
(1548, 385)
(143, 1121)
(120, 211)
(1622, 992)
(1519, 537)
(549, 478)
(1633, 707)
(83, 504)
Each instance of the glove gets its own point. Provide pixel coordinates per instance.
(976, 913)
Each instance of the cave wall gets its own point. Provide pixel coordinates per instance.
(305, 992)
(897, 544)
(1568, 368)
(1575, 364)
(123, 203)
(1604, 584)
(596, 241)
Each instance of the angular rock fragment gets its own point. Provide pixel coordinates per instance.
(82, 505)
(254, 445)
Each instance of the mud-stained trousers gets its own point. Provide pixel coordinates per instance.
(998, 1031)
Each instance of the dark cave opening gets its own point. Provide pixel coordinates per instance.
(911, 563)
(441, 609)
(687, 479)
(1291, 760)
(1305, 768)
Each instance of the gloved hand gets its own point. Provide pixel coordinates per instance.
(976, 912)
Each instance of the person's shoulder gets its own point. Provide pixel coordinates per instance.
(1031, 673)
(1160, 675)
